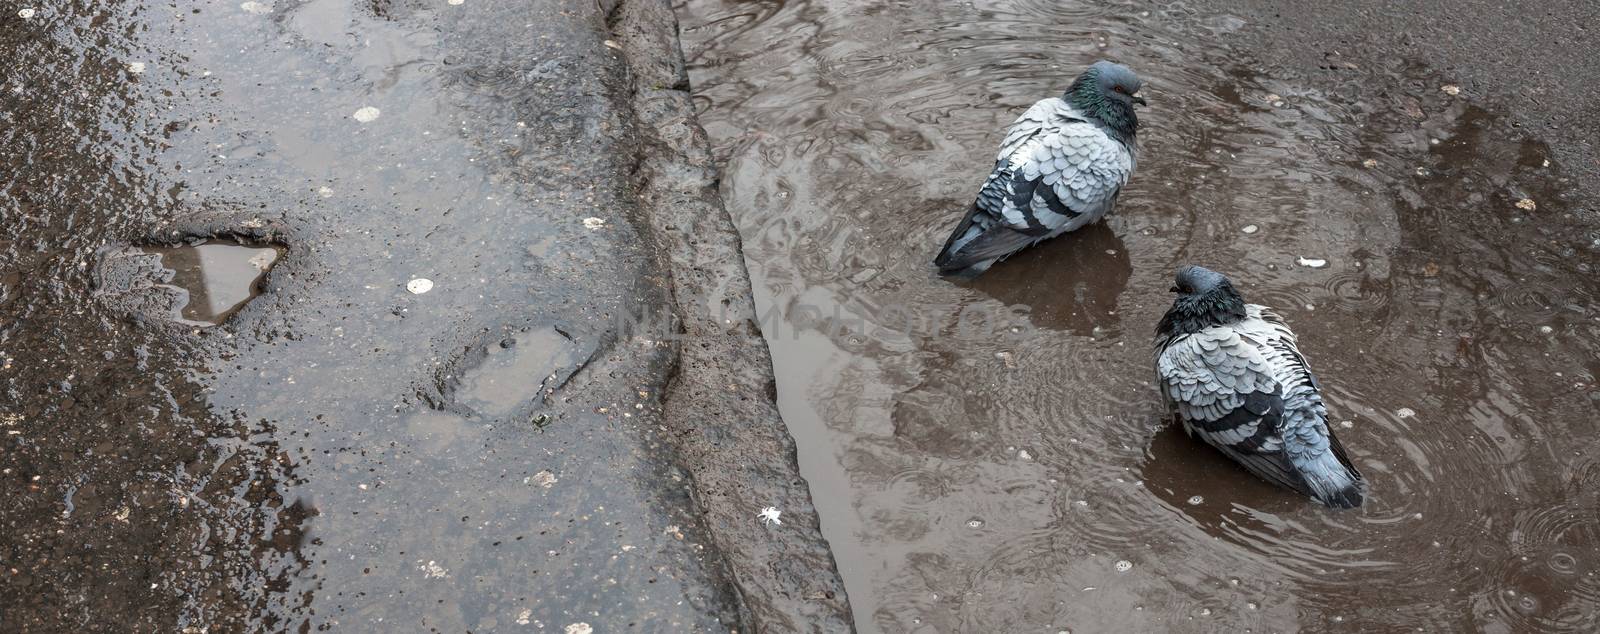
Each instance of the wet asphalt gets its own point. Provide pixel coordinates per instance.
(493, 454)
(443, 411)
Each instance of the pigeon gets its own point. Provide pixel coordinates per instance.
(1060, 168)
(1232, 372)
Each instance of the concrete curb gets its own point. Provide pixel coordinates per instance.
(720, 405)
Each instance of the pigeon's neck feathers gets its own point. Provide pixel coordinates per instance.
(1217, 306)
(1088, 97)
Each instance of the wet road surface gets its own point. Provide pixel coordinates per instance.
(345, 449)
(993, 456)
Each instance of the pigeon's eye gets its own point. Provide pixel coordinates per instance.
(1120, 89)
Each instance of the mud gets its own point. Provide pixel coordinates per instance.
(498, 453)
(993, 456)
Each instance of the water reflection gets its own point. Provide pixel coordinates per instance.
(217, 277)
(1069, 284)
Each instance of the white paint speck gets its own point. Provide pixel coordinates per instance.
(325, 191)
(25, 13)
(419, 286)
(1405, 412)
(455, 3)
(135, 67)
(594, 223)
(769, 516)
(1251, 229)
(1315, 263)
(433, 570)
(257, 8)
(576, 628)
(367, 114)
(1124, 565)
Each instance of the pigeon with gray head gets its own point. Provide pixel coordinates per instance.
(1060, 168)
(1232, 372)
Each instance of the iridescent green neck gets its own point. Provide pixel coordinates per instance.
(1115, 115)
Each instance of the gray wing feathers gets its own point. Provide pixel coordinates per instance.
(1055, 172)
(1083, 166)
(1207, 374)
(1246, 390)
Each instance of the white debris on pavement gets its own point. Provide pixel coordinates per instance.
(135, 67)
(1124, 565)
(455, 3)
(419, 286)
(366, 114)
(1405, 412)
(770, 515)
(1527, 204)
(433, 570)
(1251, 229)
(545, 479)
(579, 628)
(258, 8)
(25, 13)
(1315, 263)
(594, 223)
(1451, 89)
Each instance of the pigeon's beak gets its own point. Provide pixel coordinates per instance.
(1139, 100)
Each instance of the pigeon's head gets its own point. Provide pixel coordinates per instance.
(1117, 82)
(1205, 298)
(1198, 280)
(1107, 91)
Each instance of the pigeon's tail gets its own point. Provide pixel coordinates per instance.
(1332, 479)
(965, 231)
(976, 244)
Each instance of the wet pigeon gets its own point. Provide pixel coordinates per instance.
(1060, 168)
(1233, 374)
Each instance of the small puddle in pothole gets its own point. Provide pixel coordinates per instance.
(516, 370)
(218, 276)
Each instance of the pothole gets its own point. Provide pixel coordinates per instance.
(516, 370)
(199, 284)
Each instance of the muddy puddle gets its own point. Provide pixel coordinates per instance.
(993, 457)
